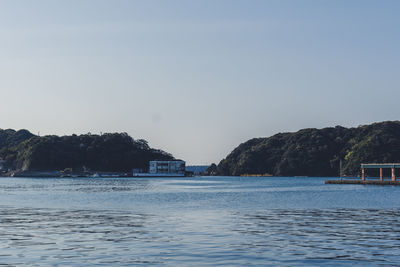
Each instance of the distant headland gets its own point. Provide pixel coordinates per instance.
(23, 153)
(315, 152)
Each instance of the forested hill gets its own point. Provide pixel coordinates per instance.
(10, 138)
(316, 152)
(107, 152)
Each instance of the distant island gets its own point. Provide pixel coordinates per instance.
(22, 153)
(314, 152)
(307, 152)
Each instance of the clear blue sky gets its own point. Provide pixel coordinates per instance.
(197, 78)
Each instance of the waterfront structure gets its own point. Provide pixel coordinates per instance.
(381, 181)
(167, 167)
(380, 166)
(163, 168)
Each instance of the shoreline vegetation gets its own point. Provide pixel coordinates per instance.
(305, 153)
(315, 152)
(112, 154)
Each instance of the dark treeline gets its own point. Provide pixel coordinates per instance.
(308, 152)
(315, 152)
(23, 151)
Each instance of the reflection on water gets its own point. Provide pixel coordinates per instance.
(197, 222)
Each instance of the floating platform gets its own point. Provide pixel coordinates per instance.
(372, 182)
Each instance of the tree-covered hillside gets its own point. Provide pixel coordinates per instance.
(316, 152)
(107, 152)
(10, 138)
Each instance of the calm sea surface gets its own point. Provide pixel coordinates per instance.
(205, 221)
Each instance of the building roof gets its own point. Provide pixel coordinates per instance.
(175, 160)
(380, 165)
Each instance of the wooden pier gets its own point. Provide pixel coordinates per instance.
(363, 180)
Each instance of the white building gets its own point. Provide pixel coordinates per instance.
(170, 167)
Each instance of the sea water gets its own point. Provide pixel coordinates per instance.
(201, 221)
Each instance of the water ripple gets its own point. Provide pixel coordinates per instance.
(197, 222)
(345, 235)
(49, 237)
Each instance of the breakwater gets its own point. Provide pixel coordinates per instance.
(366, 182)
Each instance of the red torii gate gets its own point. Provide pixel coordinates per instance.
(380, 166)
